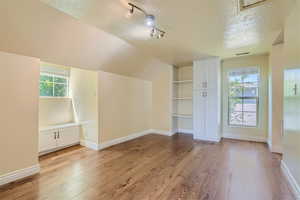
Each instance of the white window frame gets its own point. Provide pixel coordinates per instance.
(58, 76)
(257, 100)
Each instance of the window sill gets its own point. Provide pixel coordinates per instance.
(243, 127)
(55, 98)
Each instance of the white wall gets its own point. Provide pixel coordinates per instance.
(19, 86)
(276, 70)
(54, 111)
(84, 93)
(125, 105)
(161, 76)
(261, 132)
(291, 147)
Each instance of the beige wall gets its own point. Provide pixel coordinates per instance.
(19, 83)
(161, 76)
(276, 68)
(84, 91)
(125, 105)
(55, 111)
(260, 133)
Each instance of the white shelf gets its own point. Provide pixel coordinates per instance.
(57, 126)
(183, 81)
(183, 116)
(182, 98)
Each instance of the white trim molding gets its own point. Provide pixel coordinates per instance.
(185, 131)
(208, 139)
(19, 174)
(274, 148)
(110, 143)
(89, 144)
(292, 181)
(161, 132)
(245, 137)
(122, 139)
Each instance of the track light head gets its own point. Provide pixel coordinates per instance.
(157, 33)
(150, 20)
(131, 10)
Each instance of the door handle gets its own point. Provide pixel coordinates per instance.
(295, 89)
(54, 135)
(282, 128)
(58, 134)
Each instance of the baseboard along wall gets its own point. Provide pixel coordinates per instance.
(291, 180)
(19, 174)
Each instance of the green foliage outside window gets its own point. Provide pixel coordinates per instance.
(243, 99)
(53, 86)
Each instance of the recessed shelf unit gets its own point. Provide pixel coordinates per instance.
(183, 81)
(183, 99)
(186, 116)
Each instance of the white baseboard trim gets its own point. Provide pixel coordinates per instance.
(122, 139)
(57, 149)
(19, 174)
(110, 143)
(245, 137)
(89, 144)
(208, 139)
(186, 131)
(161, 132)
(292, 181)
(274, 148)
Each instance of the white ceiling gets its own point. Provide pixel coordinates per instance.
(32, 28)
(195, 28)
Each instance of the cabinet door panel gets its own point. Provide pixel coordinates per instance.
(199, 112)
(47, 140)
(200, 75)
(68, 136)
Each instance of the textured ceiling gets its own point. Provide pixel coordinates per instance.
(195, 28)
(32, 28)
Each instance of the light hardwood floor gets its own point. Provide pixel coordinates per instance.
(158, 167)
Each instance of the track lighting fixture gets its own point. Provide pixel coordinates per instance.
(149, 21)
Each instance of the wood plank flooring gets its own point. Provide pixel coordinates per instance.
(158, 168)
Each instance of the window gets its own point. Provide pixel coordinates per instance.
(243, 97)
(52, 85)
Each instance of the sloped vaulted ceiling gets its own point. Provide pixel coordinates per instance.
(195, 28)
(96, 34)
(32, 28)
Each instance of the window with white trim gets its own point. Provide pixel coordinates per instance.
(52, 85)
(243, 97)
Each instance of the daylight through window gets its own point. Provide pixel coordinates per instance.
(52, 85)
(243, 97)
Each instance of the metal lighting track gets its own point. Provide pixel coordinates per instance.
(244, 6)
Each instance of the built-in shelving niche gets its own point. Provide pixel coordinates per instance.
(183, 99)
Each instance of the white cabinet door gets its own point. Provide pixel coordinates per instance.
(206, 99)
(68, 136)
(200, 75)
(47, 140)
(199, 114)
